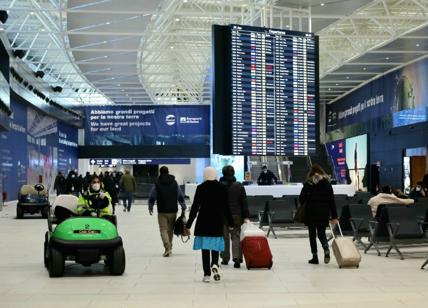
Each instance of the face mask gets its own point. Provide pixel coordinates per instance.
(265, 171)
(96, 187)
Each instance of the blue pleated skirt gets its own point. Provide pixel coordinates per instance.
(209, 243)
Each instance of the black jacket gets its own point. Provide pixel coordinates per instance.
(318, 195)
(237, 197)
(211, 205)
(267, 178)
(109, 186)
(166, 193)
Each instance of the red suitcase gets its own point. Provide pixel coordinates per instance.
(256, 252)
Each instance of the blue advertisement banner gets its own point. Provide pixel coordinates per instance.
(36, 146)
(147, 125)
(137, 161)
(402, 93)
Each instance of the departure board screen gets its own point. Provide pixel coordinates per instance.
(271, 91)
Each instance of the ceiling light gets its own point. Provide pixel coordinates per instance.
(177, 19)
(107, 23)
(105, 56)
(31, 13)
(337, 84)
(364, 68)
(347, 77)
(417, 45)
(112, 77)
(386, 58)
(329, 89)
(1, 28)
(184, 1)
(322, 4)
(172, 47)
(42, 29)
(105, 42)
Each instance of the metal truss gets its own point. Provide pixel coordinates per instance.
(175, 55)
(368, 28)
(38, 30)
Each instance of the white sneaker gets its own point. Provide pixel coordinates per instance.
(216, 272)
(206, 279)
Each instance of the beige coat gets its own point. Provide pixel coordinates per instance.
(382, 198)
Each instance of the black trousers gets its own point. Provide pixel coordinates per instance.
(313, 231)
(206, 264)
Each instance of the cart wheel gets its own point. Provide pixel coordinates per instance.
(358, 266)
(45, 251)
(340, 266)
(117, 261)
(56, 263)
(45, 212)
(19, 212)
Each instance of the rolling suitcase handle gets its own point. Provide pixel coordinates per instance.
(332, 232)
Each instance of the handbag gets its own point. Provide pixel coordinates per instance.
(180, 228)
(299, 216)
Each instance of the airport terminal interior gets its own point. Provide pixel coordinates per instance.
(213, 153)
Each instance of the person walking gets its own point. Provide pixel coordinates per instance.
(237, 201)
(318, 198)
(110, 188)
(211, 205)
(60, 184)
(166, 193)
(128, 187)
(71, 184)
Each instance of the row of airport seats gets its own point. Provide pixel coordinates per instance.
(393, 225)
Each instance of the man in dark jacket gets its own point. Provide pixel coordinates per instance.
(167, 193)
(60, 184)
(266, 177)
(71, 183)
(109, 187)
(238, 205)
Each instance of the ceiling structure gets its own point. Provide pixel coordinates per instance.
(159, 51)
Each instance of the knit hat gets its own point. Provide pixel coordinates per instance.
(210, 174)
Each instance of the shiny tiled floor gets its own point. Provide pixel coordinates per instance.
(153, 281)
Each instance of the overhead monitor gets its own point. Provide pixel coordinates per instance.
(265, 96)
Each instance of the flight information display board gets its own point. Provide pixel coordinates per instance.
(271, 91)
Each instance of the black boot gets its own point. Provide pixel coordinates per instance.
(326, 255)
(236, 263)
(314, 260)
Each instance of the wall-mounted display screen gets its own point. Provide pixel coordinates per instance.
(349, 158)
(219, 161)
(265, 91)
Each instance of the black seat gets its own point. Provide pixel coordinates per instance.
(421, 207)
(403, 227)
(256, 207)
(359, 217)
(341, 201)
(378, 228)
(280, 213)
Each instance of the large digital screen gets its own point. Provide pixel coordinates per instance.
(219, 161)
(265, 91)
(349, 158)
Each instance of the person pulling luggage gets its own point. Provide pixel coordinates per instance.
(317, 197)
(238, 205)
